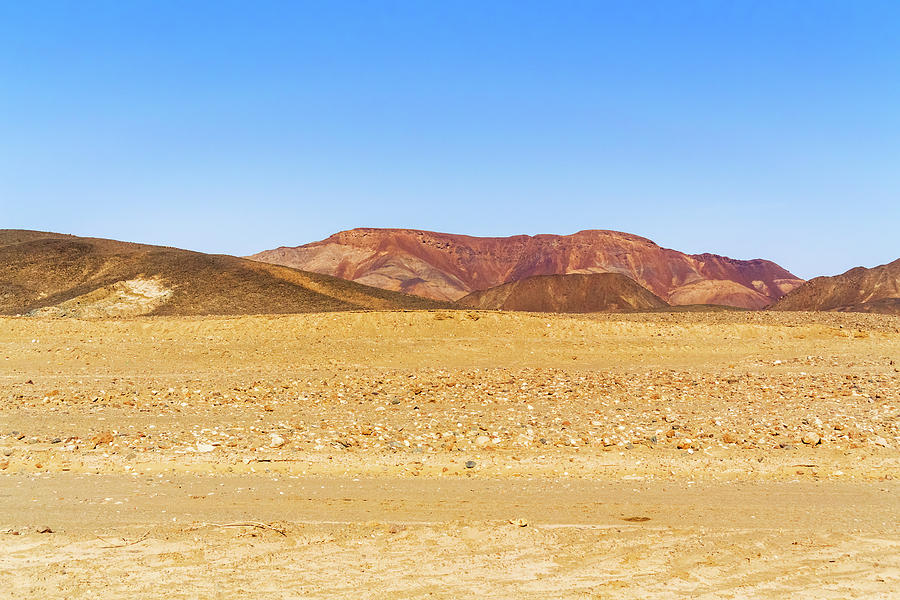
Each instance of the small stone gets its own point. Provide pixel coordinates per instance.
(395, 402)
(482, 441)
(470, 464)
(201, 447)
(45, 530)
(519, 522)
(104, 438)
(4, 465)
(811, 438)
(730, 438)
(55, 441)
(277, 441)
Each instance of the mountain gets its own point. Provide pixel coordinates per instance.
(447, 267)
(576, 293)
(62, 275)
(858, 290)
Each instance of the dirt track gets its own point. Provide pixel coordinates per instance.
(351, 434)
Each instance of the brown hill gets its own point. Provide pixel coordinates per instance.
(858, 290)
(576, 293)
(447, 267)
(62, 275)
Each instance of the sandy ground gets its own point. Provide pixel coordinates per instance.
(451, 454)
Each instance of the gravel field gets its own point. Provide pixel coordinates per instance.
(451, 454)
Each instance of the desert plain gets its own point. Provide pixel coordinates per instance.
(451, 454)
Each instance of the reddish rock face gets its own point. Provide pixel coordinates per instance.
(447, 267)
(858, 290)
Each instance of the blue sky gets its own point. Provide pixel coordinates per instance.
(751, 129)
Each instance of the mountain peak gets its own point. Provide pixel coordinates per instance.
(446, 266)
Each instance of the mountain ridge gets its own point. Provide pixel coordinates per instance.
(859, 289)
(52, 274)
(448, 266)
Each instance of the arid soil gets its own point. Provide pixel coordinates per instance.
(451, 454)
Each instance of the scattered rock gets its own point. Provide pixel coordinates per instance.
(45, 530)
(482, 441)
(811, 438)
(277, 441)
(470, 464)
(103, 438)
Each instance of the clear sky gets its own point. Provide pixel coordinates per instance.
(752, 129)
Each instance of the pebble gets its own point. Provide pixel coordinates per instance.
(103, 438)
(470, 464)
(277, 441)
(811, 438)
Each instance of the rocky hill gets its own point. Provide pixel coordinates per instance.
(61, 275)
(447, 267)
(576, 293)
(858, 290)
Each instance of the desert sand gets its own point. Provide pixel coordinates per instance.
(451, 454)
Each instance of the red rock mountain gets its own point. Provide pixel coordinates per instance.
(858, 290)
(576, 293)
(447, 267)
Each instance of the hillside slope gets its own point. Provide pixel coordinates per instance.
(447, 266)
(61, 275)
(857, 290)
(576, 293)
